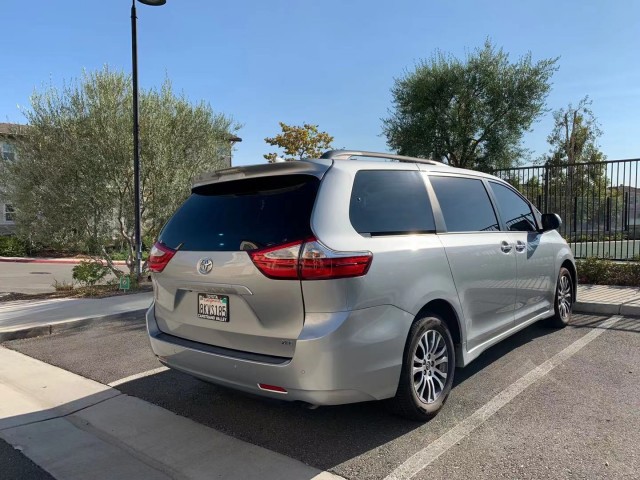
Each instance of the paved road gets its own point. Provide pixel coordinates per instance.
(33, 277)
(580, 420)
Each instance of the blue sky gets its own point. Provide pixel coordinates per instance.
(329, 62)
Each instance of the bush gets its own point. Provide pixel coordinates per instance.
(62, 286)
(12, 247)
(119, 255)
(598, 271)
(88, 273)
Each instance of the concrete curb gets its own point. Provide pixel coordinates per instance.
(61, 261)
(607, 308)
(77, 428)
(42, 330)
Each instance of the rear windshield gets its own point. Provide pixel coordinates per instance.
(244, 214)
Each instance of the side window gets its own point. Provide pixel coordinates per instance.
(515, 211)
(465, 204)
(388, 202)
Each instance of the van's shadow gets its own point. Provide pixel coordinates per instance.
(324, 437)
(499, 350)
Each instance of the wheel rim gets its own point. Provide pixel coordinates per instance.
(564, 297)
(430, 366)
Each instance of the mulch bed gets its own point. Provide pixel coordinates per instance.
(98, 291)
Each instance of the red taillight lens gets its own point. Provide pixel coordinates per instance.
(279, 262)
(317, 262)
(309, 260)
(159, 257)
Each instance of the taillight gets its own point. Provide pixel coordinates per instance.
(159, 257)
(279, 262)
(310, 260)
(317, 262)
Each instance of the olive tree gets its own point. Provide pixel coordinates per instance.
(72, 181)
(470, 113)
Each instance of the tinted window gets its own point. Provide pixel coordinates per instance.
(244, 214)
(465, 204)
(390, 202)
(516, 213)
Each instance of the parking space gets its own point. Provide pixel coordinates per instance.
(579, 419)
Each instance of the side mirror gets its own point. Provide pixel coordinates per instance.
(550, 221)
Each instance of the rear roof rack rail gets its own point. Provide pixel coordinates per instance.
(348, 154)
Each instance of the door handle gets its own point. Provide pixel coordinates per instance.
(520, 246)
(506, 246)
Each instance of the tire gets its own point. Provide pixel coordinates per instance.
(421, 395)
(563, 300)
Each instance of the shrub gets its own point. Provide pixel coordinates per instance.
(62, 286)
(12, 247)
(119, 255)
(606, 272)
(88, 273)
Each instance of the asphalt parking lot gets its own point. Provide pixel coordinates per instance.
(579, 419)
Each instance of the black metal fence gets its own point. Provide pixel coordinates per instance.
(599, 204)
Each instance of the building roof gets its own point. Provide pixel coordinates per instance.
(12, 129)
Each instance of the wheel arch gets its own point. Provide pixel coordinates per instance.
(569, 265)
(448, 313)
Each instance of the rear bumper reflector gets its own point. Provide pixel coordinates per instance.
(271, 388)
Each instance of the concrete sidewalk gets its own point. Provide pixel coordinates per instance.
(76, 429)
(27, 318)
(608, 300)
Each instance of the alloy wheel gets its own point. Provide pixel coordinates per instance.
(564, 297)
(430, 366)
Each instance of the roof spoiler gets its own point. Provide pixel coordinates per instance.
(298, 167)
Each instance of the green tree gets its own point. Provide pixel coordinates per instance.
(470, 113)
(574, 138)
(299, 142)
(577, 175)
(72, 181)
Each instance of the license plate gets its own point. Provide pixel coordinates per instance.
(213, 307)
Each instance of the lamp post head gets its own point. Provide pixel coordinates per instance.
(153, 3)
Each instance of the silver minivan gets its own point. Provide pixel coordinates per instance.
(336, 280)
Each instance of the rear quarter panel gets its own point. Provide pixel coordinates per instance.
(407, 271)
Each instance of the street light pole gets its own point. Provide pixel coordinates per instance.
(136, 142)
(136, 134)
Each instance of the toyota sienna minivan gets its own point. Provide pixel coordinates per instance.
(354, 277)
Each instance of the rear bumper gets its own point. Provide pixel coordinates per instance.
(339, 358)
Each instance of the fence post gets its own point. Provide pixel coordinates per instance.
(546, 188)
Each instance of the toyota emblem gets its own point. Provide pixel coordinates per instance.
(205, 266)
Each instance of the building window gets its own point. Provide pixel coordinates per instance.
(8, 152)
(9, 213)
